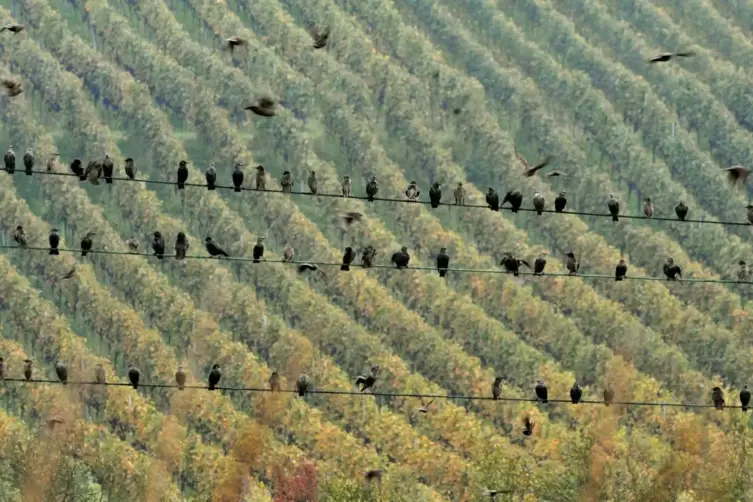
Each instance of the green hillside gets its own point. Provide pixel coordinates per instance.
(424, 90)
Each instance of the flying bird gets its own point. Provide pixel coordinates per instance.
(20, 236)
(553, 174)
(213, 249)
(182, 174)
(648, 208)
(443, 262)
(717, 396)
(62, 372)
(158, 245)
(459, 194)
(181, 246)
(108, 168)
(401, 258)
(512, 264)
(52, 162)
(515, 198)
(435, 195)
(412, 192)
(745, 398)
(264, 107)
(130, 168)
(560, 202)
(214, 376)
(13, 28)
(237, 177)
(13, 86)
(28, 369)
(737, 175)
(350, 217)
(99, 374)
(180, 378)
(367, 256)
(572, 263)
(86, 243)
(348, 258)
(78, 169)
(539, 264)
(10, 160)
(527, 426)
(235, 41)
(373, 475)
(258, 250)
(211, 177)
(614, 207)
(54, 242)
(497, 388)
(681, 210)
(133, 376)
(608, 395)
(539, 203)
(367, 381)
(620, 271)
(320, 37)
(425, 406)
(261, 178)
(530, 171)
(312, 182)
(743, 273)
(575, 393)
(70, 273)
(492, 199)
(274, 382)
(93, 172)
(671, 270)
(29, 161)
(541, 392)
(288, 254)
(666, 56)
(346, 186)
(372, 188)
(302, 384)
(287, 182)
(309, 267)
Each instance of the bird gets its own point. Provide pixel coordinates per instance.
(62, 372)
(530, 171)
(99, 374)
(181, 246)
(133, 376)
(2, 369)
(54, 242)
(372, 188)
(425, 406)
(745, 398)
(158, 245)
(52, 162)
(492, 199)
(373, 475)
(10, 160)
(214, 376)
(496, 387)
(412, 192)
(368, 381)
(493, 493)
(232, 42)
(130, 168)
(70, 273)
(614, 207)
(538, 203)
(620, 271)
(560, 202)
(681, 210)
(666, 56)
(401, 258)
(180, 378)
(512, 264)
(274, 382)
(459, 194)
(261, 178)
(77, 169)
(743, 272)
(541, 392)
(264, 107)
(13, 86)
(671, 270)
(237, 177)
(539, 264)
(13, 28)
(288, 254)
(367, 256)
(320, 37)
(435, 195)
(133, 245)
(553, 174)
(346, 186)
(182, 174)
(515, 198)
(312, 182)
(93, 172)
(29, 161)
(211, 176)
(302, 384)
(348, 258)
(608, 395)
(306, 267)
(572, 264)
(575, 393)
(86, 243)
(287, 182)
(213, 249)
(717, 396)
(749, 207)
(20, 236)
(28, 369)
(443, 262)
(108, 168)
(737, 175)
(648, 208)
(259, 250)
(527, 426)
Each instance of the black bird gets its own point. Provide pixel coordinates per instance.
(350, 217)
(13, 86)
(614, 207)
(233, 42)
(182, 174)
(133, 376)
(368, 381)
(158, 245)
(492, 198)
(575, 393)
(512, 264)
(86, 243)
(515, 198)
(443, 262)
(13, 28)
(348, 258)
(29, 161)
(672, 271)
(539, 264)
(681, 210)
(62, 372)
(749, 207)
(77, 168)
(214, 376)
(181, 246)
(608, 395)
(213, 249)
(527, 426)
(412, 192)
(435, 195)
(743, 273)
(496, 388)
(108, 168)
(302, 384)
(717, 396)
(130, 168)
(237, 177)
(180, 378)
(560, 202)
(320, 37)
(372, 188)
(211, 176)
(620, 271)
(264, 107)
(2, 369)
(259, 250)
(10, 160)
(572, 264)
(20, 236)
(745, 398)
(666, 56)
(737, 175)
(309, 267)
(367, 256)
(28, 369)
(54, 242)
(530, 171)
(541, 392)
(401, 258)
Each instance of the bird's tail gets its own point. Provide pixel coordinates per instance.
(181, 186)
(210, 187)
(237, 189)
(345, 268)
(225, 254)
(615, 218)
(136, 385)
(539, 213)
(54, 252)
(618, 278)
(82, 177)
(83, 252)
(301, 392)
(65, 382)
(256, 261)
(108, 181)
(211, 386)
(745, 408)
(442, 273)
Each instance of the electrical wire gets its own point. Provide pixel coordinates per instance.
(390, 267)
(384, 199)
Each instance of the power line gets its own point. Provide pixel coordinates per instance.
(390, 267)
(366, 394)
(386, 199)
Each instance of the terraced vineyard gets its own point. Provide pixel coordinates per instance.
(425, 90)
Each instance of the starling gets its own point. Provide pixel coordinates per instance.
(743, 273)
(10, 160)
(28, 369)
(572, 264)
(62, 372)
(435, 195)
(261, 178)
(368, 381)
(575, 393)
(648, 208)
(541, 392)
(496, 387)
(70, 273)
(287, 182)
(213, 249)
(717, 396)
(412, 192)
(608, 395)
(527, 426)
(52, 162)
(459, 194)
(539, 264)
(749, 207)
(443, 262)
(425, 406)
(158, 245)
(737, 175)
(99, 374)
(133, 376)
(560, 202)
(93, 172)
(367, 256)
(133, 245)
(539, 203)
(553, 174)
(29, 161)
(182, 174)
(302, 384)
(13, 28)
(320, 37)
(515, 198)
(348, 258)
(312, 182)
(214, 376)
(130, 168)
(666, 56)
(86, 243)
(259, 250)
(530, 171)
(492, 199)
(13, 86)
(108, 168)
(233, 42)
(211, 176)
(347, 186)
(181, 246)
(288, 254)
(401, 258)
(237, 177)
(681, 210)
(20, 236)
(264, 107)
(745, 398)
(620, 271)
(77, 169)
(180, 378)
(672, 271)
(372, 188)
(54, 242)
(2, 369)
(512, 264)
(304, 267)
(614, 207)
(274, 382)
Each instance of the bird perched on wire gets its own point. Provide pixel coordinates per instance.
(13, 28)
(29, 161)
(232, 42)
(10, 160)
(211, 177)
(539, 264)
(261, 178)
(288, 254)
(497, 387)
(372, 188)
(99, 374)
(348, 258)
(737, 175)
(20, 236)
(666, 56)
(302, 384)
(749, 207)
(648, 208)
(538, 203)
(367, 381)
(412, 192)
(560, 202)
(130, 168)
(459, 194)
(258, 251)
(62, 372)
(350, 217)
(620, 270)
(401, 258)
(158, 245)
(182, 174)
(512, 264)
(320, 37)
(28, 369)
(2, 369)
(180, 378)
(134, 375)
(435, 194)
(367, 256)
(717, 396)
(515, 198)
(443, 262)
(54, 241)
(542, 392)
(681, 210)
(86, 243)
(264, 107)
(108, 168)
(287, 181)
(133, 245)
(93, 172)
(214, 376)
(12, 85)
(347, 186)
(745, 398)
(181, 246)
(528, 426)
(572, 263)
(274, 382)
(672, 271)
(52, 162)
(575, 393)
(614, 207)
(608, 395)
(237, 177)
(743, 273)
(213, 249)
(312, 182)
(492, 199)
(77, 168)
